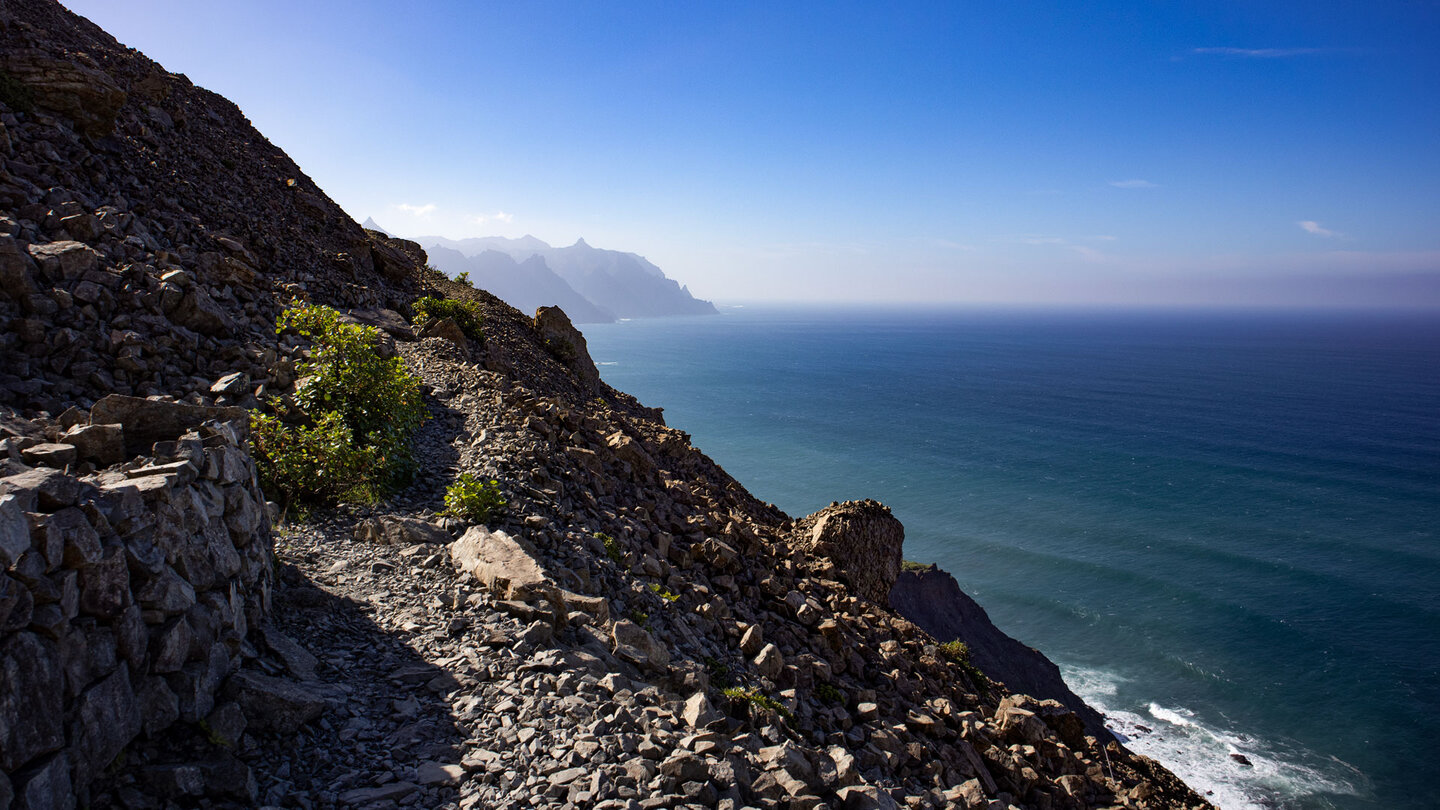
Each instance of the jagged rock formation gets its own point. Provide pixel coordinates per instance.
(932, 599)
(147, 244)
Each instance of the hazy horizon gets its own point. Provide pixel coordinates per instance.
(1185, 154)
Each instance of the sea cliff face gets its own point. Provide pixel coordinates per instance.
(633, 629)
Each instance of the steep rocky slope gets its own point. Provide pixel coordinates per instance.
(163, 643)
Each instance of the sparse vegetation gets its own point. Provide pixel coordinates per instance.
(911, 565)
(660, 591)
(828, 693)
(463, 278)
(347, 437)
(474, 499)
(763, 701)
(959, 652)
(465, 314)
(561, 350)
(612, 548)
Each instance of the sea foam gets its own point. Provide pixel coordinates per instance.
(1210, 759)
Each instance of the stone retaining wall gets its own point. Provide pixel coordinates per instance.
(126, 597)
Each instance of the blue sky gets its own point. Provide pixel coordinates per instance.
(1137, 152)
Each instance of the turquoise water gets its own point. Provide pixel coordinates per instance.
(1222, 526)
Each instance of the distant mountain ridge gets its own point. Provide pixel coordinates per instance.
(592, 285)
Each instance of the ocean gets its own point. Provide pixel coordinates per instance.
(1222, 525)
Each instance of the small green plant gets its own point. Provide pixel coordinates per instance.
(612, 548)
(911, 565)
(763, 701)
(473, 498)
(463, 278)
(660, 591)
(465, 314)
(959, 652)
(828, 693)
(639, 617)
(349, 437)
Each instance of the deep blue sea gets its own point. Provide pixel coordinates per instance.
(1223, 526)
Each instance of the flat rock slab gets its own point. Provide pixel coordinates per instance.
(146, 421)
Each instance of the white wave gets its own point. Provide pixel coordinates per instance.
(1210, 759)
(607, 363)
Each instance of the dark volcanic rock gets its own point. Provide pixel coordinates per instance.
(933, 599)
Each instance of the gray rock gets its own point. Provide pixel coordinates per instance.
(298, 661)
(106, 719)
(274, 704)
(400, 531)
(14, 531)
(864, 542)
(102, 444)
(393, 792)
(633, 644)
(699, 713)
(45, 785)
(50, 454)
(31, 702)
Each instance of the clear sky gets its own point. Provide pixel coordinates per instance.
(1163, 152)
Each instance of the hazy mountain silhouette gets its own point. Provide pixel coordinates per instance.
(613, 284)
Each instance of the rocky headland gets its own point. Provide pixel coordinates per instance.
(632, 630)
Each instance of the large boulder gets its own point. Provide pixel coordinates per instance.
(566, 343)
(864, 542)
(508, 566)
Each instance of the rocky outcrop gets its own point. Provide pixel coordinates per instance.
(126, 599)
(863, 541)
(566, 343)
(932, 599)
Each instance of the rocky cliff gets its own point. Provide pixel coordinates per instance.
(632, 630)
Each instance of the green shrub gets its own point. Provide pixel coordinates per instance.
(664, 593)
(762, 701)
(828, 693)
(350, 439)
(959, 652)
(311, 463)
(472, 498)
(463, 278)
(911, 565)
(612, 548)
(465, 314)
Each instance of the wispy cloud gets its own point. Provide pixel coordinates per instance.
(1134, 184)
(1101, 238)
(418, 210)
(1258, 53)
(1311, 226)
(498, 216)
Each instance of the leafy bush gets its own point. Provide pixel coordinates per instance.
(663, 592)
(463, 278)
(959, 652)
(762, 701)
(350, 439)
(612, 548)
(472, 498)
(311, 463)
(465, 314)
